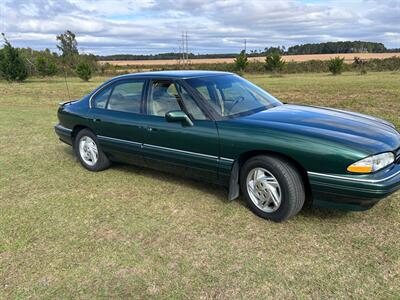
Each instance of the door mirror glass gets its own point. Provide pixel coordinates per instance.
(178, 116)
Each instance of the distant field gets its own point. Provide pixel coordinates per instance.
(347, 56)
(134, 233)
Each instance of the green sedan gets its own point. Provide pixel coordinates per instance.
(218, 127)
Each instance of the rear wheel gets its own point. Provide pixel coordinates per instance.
(88, 151)
(273, 188)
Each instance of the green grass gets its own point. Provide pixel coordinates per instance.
(132, 232)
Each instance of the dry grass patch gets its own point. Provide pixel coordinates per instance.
(349, 57)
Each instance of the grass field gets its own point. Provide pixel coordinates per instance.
(130, 232)
(348, 58)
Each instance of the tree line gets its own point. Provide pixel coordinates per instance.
(16, 64)
(338, 47)
(167, 55)
(315, 48)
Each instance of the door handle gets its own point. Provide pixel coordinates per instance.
(151, 129)
(96, 120)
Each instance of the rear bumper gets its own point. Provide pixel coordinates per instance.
(64, 134)
(354, 192)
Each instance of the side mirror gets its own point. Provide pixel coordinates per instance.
(178, 116)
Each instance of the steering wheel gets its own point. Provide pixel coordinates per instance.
(235, 102)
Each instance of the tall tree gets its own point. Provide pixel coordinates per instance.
(69, 48)
(67, 43)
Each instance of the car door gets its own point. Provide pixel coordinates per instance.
(173, 146)
(117, 116)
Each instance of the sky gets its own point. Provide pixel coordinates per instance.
(216, 26)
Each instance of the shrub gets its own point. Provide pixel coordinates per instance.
(274, 62)
(84, 71)
(12, 66)
(52, 68)
(335, 65)
(241, 62)
(310, 66)
(386, 64)
(359, 65)
(104, 67)
(45, 66)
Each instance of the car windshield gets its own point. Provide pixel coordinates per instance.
(231, 95)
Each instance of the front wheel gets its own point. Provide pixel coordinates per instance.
(88, 151)
(273, 188)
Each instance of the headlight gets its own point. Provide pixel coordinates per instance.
(372, 163)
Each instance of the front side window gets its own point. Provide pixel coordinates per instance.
(231, 95)
(163, 98)
(167, 96)
(190, 104)
(126, 96)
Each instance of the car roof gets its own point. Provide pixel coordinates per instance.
(178, 74)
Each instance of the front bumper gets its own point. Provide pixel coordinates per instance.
(354, 192)
(64, 134)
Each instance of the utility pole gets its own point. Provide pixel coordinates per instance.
(184, 49)
(245, 46)
(180, 55)
(187, 49)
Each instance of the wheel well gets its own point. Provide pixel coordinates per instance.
(75, 131)
(303, 173)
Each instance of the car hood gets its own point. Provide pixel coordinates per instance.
(352, 129)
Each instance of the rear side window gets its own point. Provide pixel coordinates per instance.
(126, 96)
(100, 100)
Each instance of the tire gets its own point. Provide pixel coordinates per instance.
(88, 158)
(273, 181)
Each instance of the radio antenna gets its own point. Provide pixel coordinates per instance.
(66, 83)
(31, 63)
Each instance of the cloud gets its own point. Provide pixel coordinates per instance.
(151, 26)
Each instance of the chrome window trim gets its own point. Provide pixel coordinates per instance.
(354, 179)
(150, 146)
